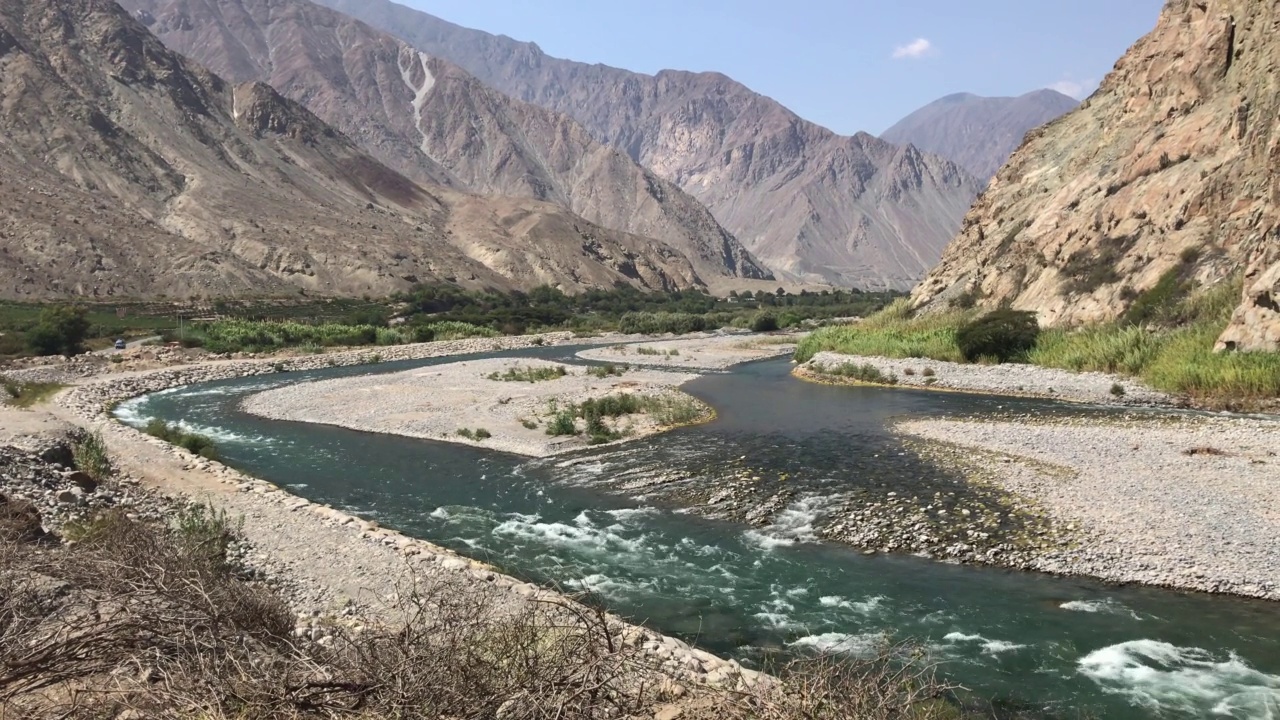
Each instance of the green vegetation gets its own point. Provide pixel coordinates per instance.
(764, 321)
(207, 533)
(1162, 303)
(90, 455)
(893, 332)
(1171, 350)
(61, 330)
(667, 410)
(193, 443)
(866, 372)
(646, 323)
(627, 309)
(563, 423)
(20, 325)
(607, 370)
(25, 395)
(529, 374)
(266, 336)
(674, 410)
(428, 312)
(478, 434)
(1002, 334)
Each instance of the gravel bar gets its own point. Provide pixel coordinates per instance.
(1190, 503)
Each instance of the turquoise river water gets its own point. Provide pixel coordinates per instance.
(1023, 641)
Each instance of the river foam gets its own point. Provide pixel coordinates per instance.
(1165, 677)
(1108, 607)
(863, 646)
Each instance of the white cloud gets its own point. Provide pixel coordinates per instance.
(913, 50)
(1078, 89)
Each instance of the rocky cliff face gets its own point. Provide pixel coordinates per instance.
(1173, 161)
(809, 203)
(978, 133)
(126, 169)
(435, 122)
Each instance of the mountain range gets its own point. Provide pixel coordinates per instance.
(434, 122)
(127, 169)
(1171, 169)
(978, 133)
(811, 204)
(278, 146)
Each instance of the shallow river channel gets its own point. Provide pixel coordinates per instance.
(1022, 640)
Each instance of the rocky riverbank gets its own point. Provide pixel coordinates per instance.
(715, 352)
(1181, 502)
(1006, 379)
(333, 566)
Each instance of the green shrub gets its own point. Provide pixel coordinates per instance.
(563, 424)
(597, 432)
(764, 322)
(61, 330)
(1004, 334)
(456, 330)
(673, 409)
(865, 372)
(607, 370)
(90, 456)
(610, 406)
(1161, 304)
(649, 323)
(193, 443)
(205, 534)
(529, 374)
(482, 434)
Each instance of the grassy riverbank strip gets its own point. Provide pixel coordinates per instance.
(1173, 356)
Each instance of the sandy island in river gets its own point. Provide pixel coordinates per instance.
(455, 401)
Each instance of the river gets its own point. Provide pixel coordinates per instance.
(1057, 646)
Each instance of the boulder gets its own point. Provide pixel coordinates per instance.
(81, 480)
(1255, 325)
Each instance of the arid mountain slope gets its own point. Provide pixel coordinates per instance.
(809, 203)
(436, 123)
(1172, 162)
(978, 133)
(126, 169)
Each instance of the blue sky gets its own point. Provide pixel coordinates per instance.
(834, 62)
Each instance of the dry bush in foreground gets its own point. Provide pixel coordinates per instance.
(153, 620)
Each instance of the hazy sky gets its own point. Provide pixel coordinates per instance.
(851, 65)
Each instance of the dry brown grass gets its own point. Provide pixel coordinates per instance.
(132, 617)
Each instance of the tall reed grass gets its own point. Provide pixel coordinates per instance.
(892, 332)
(1177, 359)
